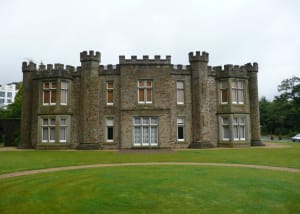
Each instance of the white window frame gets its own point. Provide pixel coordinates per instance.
(56, 125)
(237, 87)
(239, 122)
(109, 124)
(64, 89)
(152, 126)
(50, 89)
(180, 90)
(145, 87)
(49, 126)
(109, 90)
(65, 127)
(180, 124)
(222, 88)
(227, 125)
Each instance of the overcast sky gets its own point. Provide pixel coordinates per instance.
(232, 31)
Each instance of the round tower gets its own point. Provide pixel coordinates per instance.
(89, 101)
(28, 70)
(254, 104)
(200, 105)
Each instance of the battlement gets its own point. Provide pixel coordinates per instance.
(198, 56)
(145, 60)
(109, 68)
(251, 67)
(180, 67)
(28, 66)
(230, 70)
(56, 67)
(90, 56)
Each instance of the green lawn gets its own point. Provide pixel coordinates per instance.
(11, 161)
(153, 189)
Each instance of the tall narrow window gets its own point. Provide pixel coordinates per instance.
(48, 130)
(63, 93)
(238, 95)
(145, 91)
(49, 93)
(224, 92)
(225, 128)
(110, 92)
(239, 128)
(180, 129)
(109, 129)
(63, 130)
(180, 92)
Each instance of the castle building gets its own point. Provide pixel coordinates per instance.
(139, 103)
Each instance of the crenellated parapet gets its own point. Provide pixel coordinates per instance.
(198, 56)
(54, 71)
(145, 60)
(230, 71)
(109, 69)
(28, 67)
(180, 69)
(90, 56)
(251, 67)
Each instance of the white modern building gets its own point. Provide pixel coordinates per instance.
(7, 94)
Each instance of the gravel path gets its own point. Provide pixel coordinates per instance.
(57, 169)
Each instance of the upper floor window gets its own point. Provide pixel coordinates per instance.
(145, 91)
(238, 95)
(49, 93)
(180, 92)
(63, 93)
(2, 94)
(110, 92)
(9, 94)
(224, 92)
(1, 101)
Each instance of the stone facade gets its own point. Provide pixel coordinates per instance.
(139, 103)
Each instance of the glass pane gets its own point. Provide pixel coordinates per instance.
(149, 84)
(242, 120)
(109, 122)
(52, 134)
(235, 120)
(63, 85)
(45, 136)
(53, 96)
(9, 94)
(235, 132)
(241, 96)
(224, 95)
(137, 121)
(63, 121)
(110, 133)
(234, 95)
(45, 122)
(149, 95)
(179, 84)
(53, 85)
(110, 97)
(242, 132)
(63, 96)
(63, 133)
(225, 121)
(1, 101)
(226, 132)
(137, 135)
(110, 85)
(46, 96)
(141, 95)
(146, 135)
(141, 83)
(180, 120)
(154, 135)
(234, 84)
(180, 96)
(180, 133)
(52, 122)
(153, 121)
(146, 121)
(46, 85)
(241, 84)
(224, 85)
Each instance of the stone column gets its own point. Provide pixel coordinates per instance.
(254, 104)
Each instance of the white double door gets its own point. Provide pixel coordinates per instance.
(145, 131)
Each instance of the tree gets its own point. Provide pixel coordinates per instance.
(14, 110)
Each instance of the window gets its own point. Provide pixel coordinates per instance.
(239, 129)
(180, 92)
(63, 130)
(109, 129)
(2, 94)
(224, 92)
(63, 93)
(145, 131)
(9, 101)
(238, 92)
(110, 92)
(225, 128)
(9, 94)
(49, 93)
(145, 91)
(54, 129)
(180, 129)
(1, 101)
(48, 130)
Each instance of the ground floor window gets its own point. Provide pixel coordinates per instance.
(180, 129)
(109, 129)
(233, 127)
(54, 129)
(145, 131)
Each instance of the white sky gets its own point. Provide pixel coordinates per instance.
(232, 31)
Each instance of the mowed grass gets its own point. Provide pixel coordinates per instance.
(11, 161)
(153, 189)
